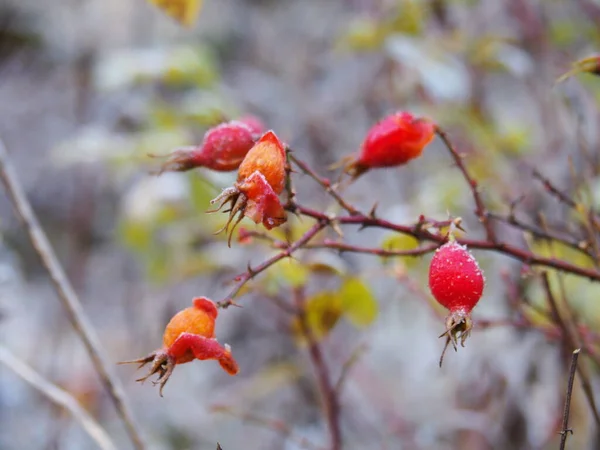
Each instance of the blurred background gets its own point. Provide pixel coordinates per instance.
(88, 88)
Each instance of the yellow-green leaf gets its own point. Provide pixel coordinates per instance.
(201, 192)
(136, 235)
(401, 242)
(357, 302)
(292, 272)
(183, 11)
(322, 312)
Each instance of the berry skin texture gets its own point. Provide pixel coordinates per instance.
(223, 148)
(393, 141)
(457, 283)
(261, 178)
(189, 335)
(267, 157)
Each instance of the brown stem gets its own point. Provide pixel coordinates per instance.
(565, 423)
(480, 209)
(241, 280)
(328, 392)
(325, 184)
(570, 336)
(520, 254)
(66, 294)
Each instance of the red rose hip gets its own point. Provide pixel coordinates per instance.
(393, 141)
(457, 283)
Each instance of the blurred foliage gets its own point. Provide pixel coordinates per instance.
(352, 300)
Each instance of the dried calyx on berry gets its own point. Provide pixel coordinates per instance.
(457, 283)
(393, 141)
(261, 178)
(223, 148)
(189, 335)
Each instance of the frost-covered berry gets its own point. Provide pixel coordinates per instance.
(457, 283)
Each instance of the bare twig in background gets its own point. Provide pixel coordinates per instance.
(329, 395)
(350, 362)
(565, 423)
(58, 396)
(570, 337)
(66, 294)
(547, 235)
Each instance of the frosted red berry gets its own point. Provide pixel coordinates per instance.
(254, 123)
(457, 283)
(393, 141)
(455, 279)
(223, 149)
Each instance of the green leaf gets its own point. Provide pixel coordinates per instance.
(358, 303)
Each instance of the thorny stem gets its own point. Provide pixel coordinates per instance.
(565, 423)
(480, 209)
(325, 184)
(328, 393)
(515, 252)
(254, 271)
(66, 294)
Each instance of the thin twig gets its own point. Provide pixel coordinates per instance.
(565, 423)
(242, 279)
(66, 294)
(580, 245)
(571, 340)
(325, 184)
(58, 396)
(328, 393)
(349, 364)
(552, 189)
(480, 209)
(343, 247)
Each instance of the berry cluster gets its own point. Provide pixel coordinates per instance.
(260, 159)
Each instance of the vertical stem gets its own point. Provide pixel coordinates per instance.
(565, 423)
(328, 392)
